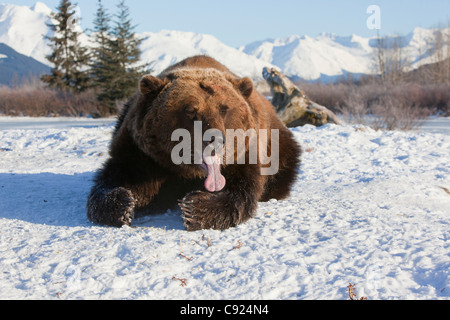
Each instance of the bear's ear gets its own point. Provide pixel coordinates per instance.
(245, 86)
(150, 84)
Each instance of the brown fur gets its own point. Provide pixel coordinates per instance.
(140, 176)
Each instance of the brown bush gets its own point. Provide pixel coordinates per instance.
(392, 113)
(35, 100)
(330, 96)
(403, 106)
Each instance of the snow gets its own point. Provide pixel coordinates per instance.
(41, 7)
(369, 207)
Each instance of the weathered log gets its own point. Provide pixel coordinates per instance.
(292, 105)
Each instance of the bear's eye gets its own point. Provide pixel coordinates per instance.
(223, 110)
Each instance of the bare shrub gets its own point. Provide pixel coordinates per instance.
(328, 95)
(354, 106)
(403, 106)
(35, 100)
(392, 113)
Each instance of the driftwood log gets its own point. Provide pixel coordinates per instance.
(292, 105)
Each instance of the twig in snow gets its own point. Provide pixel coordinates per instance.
(182, 255)
(208, 240)
(239, 245)
(351, 293)
(183, 281)
(446, 190)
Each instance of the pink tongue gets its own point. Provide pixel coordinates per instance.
(215, 180)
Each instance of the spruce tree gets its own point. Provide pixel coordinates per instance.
(115, 64)
(68, 56)
(125, 46)
(102, 61)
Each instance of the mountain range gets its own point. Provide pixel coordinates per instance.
(15, 68)
(324, 57)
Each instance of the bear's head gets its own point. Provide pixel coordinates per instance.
(195, 101)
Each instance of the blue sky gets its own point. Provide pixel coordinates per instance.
(239, 22)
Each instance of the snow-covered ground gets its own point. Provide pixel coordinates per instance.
(370, 208)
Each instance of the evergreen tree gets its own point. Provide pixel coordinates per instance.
(125, 46)
(115, 56)
(68, 56)
(102, 64)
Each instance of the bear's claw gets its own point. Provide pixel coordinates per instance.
(192, 217)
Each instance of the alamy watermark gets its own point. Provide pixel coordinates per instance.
(73, 275)
(374, 20)
(234, 144)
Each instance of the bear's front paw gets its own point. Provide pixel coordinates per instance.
(120, 205)
(194, 210)
(205, 210)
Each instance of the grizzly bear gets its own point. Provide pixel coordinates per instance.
(213, 191)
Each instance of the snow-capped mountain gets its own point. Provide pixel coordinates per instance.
(328, 55)
(324, 57)
(164, 48)
(312, 58)
(16, 67)
(23, 28)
